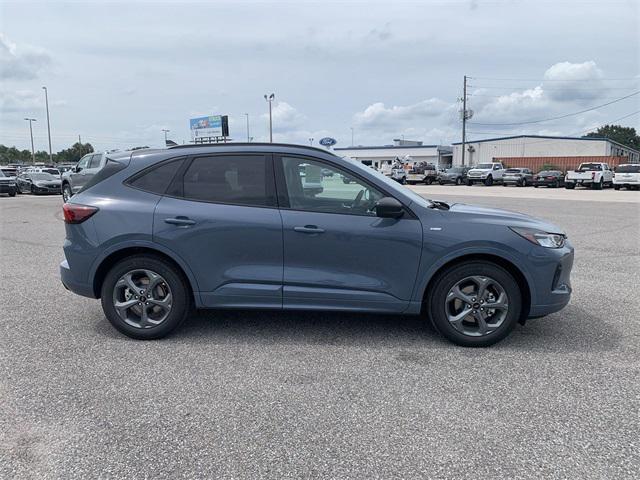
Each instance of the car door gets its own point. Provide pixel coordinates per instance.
(337, 253)
(95, 164)
(78, 173)
(220, 217)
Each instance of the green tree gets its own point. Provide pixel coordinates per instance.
(73, 154)
(624, 135)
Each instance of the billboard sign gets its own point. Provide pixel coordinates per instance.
(209, 126)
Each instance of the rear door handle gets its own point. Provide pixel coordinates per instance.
(180, 221)
(308, 229)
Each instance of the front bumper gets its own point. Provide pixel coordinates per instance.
(46, 189)
(7, 188)
(552, 279)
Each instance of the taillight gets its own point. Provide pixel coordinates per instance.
(74, 213)
(593, 174)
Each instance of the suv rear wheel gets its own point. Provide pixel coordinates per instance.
(145, 297)
(475, 304)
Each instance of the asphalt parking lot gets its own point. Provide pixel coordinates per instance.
(316, 395)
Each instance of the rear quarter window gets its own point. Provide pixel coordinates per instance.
(157, 178)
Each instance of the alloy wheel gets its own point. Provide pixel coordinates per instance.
(142, 298)
(476, 306)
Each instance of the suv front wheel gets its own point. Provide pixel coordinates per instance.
(475, 304)
(145, 297)
(66, 192)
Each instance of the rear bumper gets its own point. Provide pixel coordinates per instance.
(71, 283)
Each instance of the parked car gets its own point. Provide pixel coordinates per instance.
(548, 178)
(457, 175)
(487, 173)
(224, 226)
(7, 185)
(75, 179)
(520, 177)
(51, 170)
(627, 175)
(596, 175)
(422, 172)
(38, 183)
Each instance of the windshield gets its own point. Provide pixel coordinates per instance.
(42, 176)
(590, 166)
(484, 165)
(548, 172)
(454, 170)
(628, 169)
(513, 170)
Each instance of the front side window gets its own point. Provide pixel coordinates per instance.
(233, 179)
(338, 192)
(84, 161)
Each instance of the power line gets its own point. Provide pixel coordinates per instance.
(637, 79)
(562, 116)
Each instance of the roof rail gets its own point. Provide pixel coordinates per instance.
(249, 144)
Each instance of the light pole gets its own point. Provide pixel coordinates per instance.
(33, 151)
(270, 99)
(248, 137)
(46, 102)
(352, 136)
(165, 135)
(311, 141)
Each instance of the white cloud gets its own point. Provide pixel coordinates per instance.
(566, 81)
(285, 117)
(22, 63)
(377, 115)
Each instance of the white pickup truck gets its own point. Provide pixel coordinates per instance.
(487, 173)
(593, 174)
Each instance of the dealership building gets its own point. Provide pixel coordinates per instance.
(533, 151)
(407, 151)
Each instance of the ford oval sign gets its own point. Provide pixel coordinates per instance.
(327, 141)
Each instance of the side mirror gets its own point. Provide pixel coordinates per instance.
(389, 207)
(76, 169)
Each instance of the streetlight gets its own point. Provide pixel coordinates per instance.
(46, 101)
(165, 135)
(248, 137)
(311, 141)
(33, 151)
(270, 99)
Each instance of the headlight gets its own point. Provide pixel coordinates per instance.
(539, 237)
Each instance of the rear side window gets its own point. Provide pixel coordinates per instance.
(157, 178)
(110, 168)
(233, 179)
(95, 161)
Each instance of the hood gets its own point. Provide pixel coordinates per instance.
(497, 216)
(47, 183)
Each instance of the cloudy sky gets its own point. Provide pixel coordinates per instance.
(118, 73)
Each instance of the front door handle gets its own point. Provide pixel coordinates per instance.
(180, 221)
(308, 229)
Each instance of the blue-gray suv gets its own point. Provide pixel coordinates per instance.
(157, 232)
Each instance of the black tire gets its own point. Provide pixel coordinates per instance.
(469, 183)
(428, 180)
(403, 181)
(616, 187)
(66, 192)
(535, 185)
(554, 185)
(448, 278)
(458, 181)
(441, 182)
(181, 296)
(569, 186)
(489, 181)
(33, 190)
(597, 185)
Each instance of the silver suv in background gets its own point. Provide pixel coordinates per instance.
(75, 179)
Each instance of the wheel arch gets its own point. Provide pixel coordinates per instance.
(112, 258)
(521, 279)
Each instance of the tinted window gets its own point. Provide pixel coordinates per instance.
(512, 170)
(95, 161)
(628, 169)
(157, 178)
(590, 166)
(338, 193)
(235, 179)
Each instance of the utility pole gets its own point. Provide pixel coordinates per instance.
(270, 99)
(165, 135)
(46, 101)
(79, 139)
(464, 118)
(248, 137)
(33, 151)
